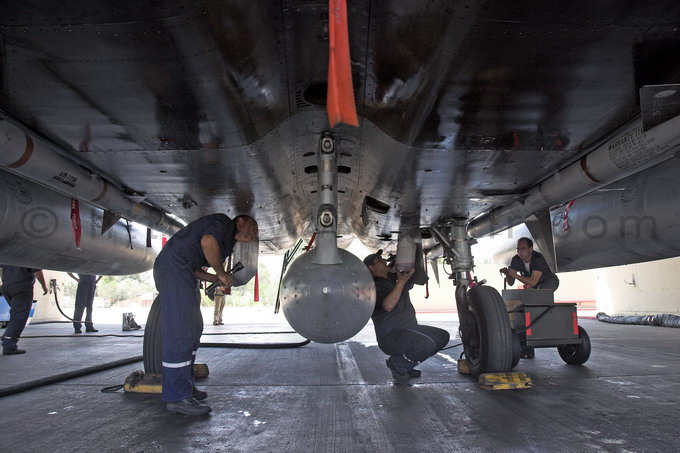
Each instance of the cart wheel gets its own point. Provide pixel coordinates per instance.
(516, 351)
(152, 349)
(487, 336)
(576, 354)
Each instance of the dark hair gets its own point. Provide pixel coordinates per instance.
(529, 242)
(245, 218)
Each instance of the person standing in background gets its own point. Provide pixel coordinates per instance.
(220, 299)
(87, 285)
(17, 287)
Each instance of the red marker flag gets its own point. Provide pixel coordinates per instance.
(75, 222)
(256, 293)
(340, 98)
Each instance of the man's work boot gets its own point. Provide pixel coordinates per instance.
(91, 329)
(414, 373)
(188, 406)
(78, 331)
(399, 377)
(13, 351)
(199, 395)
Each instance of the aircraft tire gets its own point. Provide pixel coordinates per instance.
(489, 348)
(576, 354)
(516, 351)
(152, 349)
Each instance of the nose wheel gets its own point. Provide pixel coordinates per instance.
(486, 332)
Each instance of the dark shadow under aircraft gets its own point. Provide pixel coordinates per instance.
(471, 118)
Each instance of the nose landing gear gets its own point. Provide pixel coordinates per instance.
(484, 325)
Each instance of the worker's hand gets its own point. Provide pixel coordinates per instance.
(227, 280)
(504, 271)
(405, 276)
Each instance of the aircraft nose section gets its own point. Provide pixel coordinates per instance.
(328, 303)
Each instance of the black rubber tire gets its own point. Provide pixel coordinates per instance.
(152, 349)
(576, 354)
(516, 351)
(489, 346)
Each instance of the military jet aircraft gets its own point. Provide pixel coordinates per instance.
(440, 120)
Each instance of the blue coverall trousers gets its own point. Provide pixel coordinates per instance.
(20, 298)
(181, 327)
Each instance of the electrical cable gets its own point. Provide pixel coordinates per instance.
(451, 347)
(531, 324)
(55, 288)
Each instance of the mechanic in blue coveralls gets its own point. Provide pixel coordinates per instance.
(17, 287)
(396, 328)
(531, 269)
(207, 241)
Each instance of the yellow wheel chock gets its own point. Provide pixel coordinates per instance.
(505, 381)
(141, 382)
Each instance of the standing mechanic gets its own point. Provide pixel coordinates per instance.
(87, 284)
(206, 241)
(17, 287)
(396, 327)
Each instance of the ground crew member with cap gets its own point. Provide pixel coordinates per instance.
(396, 328)
(206, 241)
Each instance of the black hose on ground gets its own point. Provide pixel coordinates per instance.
(11, 390)
(661, 319)
(142, 336)
(255, 345)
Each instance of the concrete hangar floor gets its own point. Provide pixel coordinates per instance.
(341, 398)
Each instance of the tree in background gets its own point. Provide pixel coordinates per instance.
(120, 288)
(125, 287)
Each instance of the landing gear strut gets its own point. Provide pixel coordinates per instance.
(484, 324)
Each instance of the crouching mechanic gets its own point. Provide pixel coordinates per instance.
(530, 268)
(206, 241)
(396, 328)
